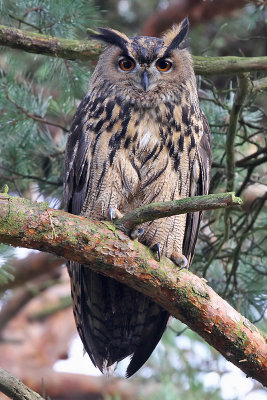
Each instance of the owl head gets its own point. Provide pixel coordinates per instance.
(145, 64)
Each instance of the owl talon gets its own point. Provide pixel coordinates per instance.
(137, 233)
(156, 248)
(114, 213)
(179, 259)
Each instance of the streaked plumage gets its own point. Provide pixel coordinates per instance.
(137, 137)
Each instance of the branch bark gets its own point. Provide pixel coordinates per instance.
(167, 209)
(109, 251)
(33, 42)
(68, 386)
(15, 389)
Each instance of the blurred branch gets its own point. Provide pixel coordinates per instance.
(67, 386)
(24, 176)
(109, 251)
(21, 296)
(244, 88)
(258, 206)
(31, 267)
(60, 304)
(90, 50)
(15, 389)
(260, 84)
(198, 11)
(248, 161)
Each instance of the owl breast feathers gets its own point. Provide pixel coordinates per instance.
(139, 136)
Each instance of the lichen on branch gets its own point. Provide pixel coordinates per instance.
(33, 42)
(107, 250)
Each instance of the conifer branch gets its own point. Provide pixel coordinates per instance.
(69, 49)
(31, 115)
(110, 252)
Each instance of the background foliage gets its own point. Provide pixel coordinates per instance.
(38, 98)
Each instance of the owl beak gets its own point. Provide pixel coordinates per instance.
(144, 80)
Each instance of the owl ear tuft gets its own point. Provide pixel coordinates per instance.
(175, 36)
(111, 36)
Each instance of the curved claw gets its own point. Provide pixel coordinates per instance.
(156, 248)
(179, 259)
(185, 264)
(136, 233)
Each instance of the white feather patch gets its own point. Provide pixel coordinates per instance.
(145, 139)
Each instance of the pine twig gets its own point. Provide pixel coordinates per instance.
(155, 211)
(33, 116)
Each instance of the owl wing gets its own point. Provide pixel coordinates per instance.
(198, 188)
(77, 163)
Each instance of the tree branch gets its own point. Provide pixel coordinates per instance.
(109, 251)
(15, 389)
(68, 386)
(167, 209)
(33, 116)
(244, 88)
(33, 42)
(228, 65)
(31, 267)
(260, 84)
(21, 296)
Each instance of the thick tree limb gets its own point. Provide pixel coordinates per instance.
(15, 389)
(33, 42)
(109, 251)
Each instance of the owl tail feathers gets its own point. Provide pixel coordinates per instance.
(150, 339)
(108, 370)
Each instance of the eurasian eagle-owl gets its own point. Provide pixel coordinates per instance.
(138, 136)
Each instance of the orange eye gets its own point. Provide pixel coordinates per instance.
(126, 64)
(163, 65)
